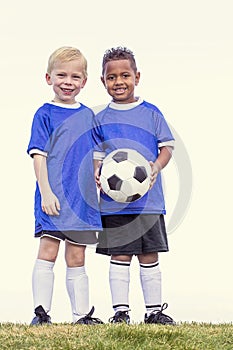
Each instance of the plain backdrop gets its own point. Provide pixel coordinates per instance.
(184, 51)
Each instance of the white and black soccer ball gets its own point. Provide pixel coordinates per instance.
(125, 175)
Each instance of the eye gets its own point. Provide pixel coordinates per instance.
(60, 75)
(77, 77)
(126, 75)
(110, 77)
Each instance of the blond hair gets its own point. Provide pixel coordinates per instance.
(66, 54)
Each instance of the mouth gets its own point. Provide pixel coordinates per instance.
(67, 91)
(120, 90)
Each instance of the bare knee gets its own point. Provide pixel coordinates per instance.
(148, 258)
(123, 258)
(74, 255)
(48, 249)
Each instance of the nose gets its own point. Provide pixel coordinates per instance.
(68, 80)
(118, 80)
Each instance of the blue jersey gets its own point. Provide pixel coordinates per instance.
(63, 135)
(140, 126)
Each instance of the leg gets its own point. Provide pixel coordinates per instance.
(119, 278)
(48, 249)
(150, 277)
(77, 280)
(43, 276)
(74, 254)
(148, 258)
(43, 279)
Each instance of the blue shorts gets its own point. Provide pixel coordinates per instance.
(76, 237)
(132, 235)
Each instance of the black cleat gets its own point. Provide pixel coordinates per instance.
(120, 317)
(88, 319)
(160, 318)
(41, 317)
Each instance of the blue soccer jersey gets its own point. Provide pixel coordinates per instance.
(63, 135)
(140, 126)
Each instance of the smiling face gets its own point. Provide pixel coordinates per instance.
(67, 79)
(120, 80)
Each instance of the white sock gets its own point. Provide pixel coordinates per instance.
(150, 276)
(77, 285)
(42, 284)
(119, 277)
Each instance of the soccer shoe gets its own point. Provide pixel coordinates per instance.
(41, 317)
(88, 319)
(120, 317)
(159, 317)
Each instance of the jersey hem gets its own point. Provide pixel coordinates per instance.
(129, 212)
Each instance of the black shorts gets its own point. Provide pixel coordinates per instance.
(76, 237)
(132, 235)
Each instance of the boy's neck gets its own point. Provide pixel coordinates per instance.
(65, 105)
(122, 106)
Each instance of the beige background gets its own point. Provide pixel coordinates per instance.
(184, 51)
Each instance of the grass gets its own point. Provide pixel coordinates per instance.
(184, 336)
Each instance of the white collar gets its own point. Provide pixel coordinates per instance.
(66, 105)
(126, 106)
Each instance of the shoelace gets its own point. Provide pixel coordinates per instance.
(89, 318)
(118, 316)
(42, 314)
(159, 314)
(163, 307)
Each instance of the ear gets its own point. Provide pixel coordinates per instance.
(137, 78)
(83, 83)
(48, 79)
(103, 81)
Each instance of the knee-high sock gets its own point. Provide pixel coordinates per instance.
(119, 277)
(150, 276)
(77, 285)
(42, 284)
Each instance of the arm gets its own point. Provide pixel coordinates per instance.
(49, 202)
(162, 160)
(97, 165)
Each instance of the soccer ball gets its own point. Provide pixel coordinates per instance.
(125, 175)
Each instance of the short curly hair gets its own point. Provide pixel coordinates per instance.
(119, 53)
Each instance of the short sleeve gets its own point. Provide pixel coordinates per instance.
(163, 132)
(40, 133)
(97, 137)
